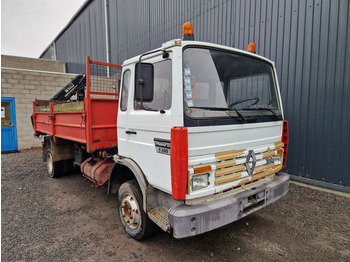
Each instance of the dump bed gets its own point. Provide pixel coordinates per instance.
(92, 122)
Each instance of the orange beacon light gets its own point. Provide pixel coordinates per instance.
(252, 47)
(187, 32)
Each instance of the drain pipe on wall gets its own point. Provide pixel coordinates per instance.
(107, 35)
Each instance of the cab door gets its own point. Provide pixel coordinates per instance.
(147, 133)
(124, 109)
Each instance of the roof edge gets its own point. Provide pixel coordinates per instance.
(77, 13)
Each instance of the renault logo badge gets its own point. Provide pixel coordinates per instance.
(251, 156)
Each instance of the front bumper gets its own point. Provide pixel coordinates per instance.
(197, 219)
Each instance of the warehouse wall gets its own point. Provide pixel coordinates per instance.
(308, 40)
(25, 86)
(86, 36)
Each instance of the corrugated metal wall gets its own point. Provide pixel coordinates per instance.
(49, 53)
(308, 40)
(85, 36)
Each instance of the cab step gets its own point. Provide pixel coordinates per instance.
(159, 216)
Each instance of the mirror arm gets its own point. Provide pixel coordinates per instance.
(141, 83)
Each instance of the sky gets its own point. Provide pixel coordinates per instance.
(29, 26)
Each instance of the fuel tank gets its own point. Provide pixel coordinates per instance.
(98, 171)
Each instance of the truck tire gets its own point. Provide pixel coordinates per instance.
(54, 168)
(135, 221)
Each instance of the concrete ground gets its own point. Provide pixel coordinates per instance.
(68, 219)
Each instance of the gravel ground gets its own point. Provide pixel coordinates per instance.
(68, 219)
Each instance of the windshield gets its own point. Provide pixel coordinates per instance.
(221, 84)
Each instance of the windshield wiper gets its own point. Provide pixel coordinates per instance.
(277, 117)
(226, 109)
(244, 120)
(209, 108)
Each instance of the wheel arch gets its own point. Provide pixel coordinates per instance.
(61, 149)
(124, 170)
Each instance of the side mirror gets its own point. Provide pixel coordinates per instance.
(144, 75)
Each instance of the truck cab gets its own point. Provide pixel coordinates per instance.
(205, 125)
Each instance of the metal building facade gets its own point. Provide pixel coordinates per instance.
(308, 40)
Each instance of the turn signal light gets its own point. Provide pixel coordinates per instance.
(252, 47)
(187, 32)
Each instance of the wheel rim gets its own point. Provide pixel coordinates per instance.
(130, 211)
(49, 163)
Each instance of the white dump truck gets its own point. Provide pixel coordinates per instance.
(192, 140)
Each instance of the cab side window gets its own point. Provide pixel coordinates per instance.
(162, 87)
(125, 90)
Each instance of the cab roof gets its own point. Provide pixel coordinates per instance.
(178, 43)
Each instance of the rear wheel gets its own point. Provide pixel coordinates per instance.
(135, 221)
(54, 168)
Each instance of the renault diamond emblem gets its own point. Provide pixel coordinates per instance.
(250, 155)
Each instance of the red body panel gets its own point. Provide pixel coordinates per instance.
(102, 118)
(95, 126)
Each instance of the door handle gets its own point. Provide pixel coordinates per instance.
(130, 132)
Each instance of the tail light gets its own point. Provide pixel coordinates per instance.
(285, 140)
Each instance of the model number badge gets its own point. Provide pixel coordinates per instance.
(162, 146)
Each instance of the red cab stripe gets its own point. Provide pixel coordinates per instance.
(179, 162)
(285, 140)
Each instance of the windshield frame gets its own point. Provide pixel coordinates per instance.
(231, 116)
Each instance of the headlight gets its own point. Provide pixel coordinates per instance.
(277, 160)
(200, 181)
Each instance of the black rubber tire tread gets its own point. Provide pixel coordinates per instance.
(147, 226)
(68, 166)
(57, 166)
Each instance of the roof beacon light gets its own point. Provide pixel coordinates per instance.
(187, 32)
(252, 47)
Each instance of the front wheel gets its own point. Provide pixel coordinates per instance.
(135, 221)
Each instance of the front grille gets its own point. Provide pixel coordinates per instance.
(239, 167)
